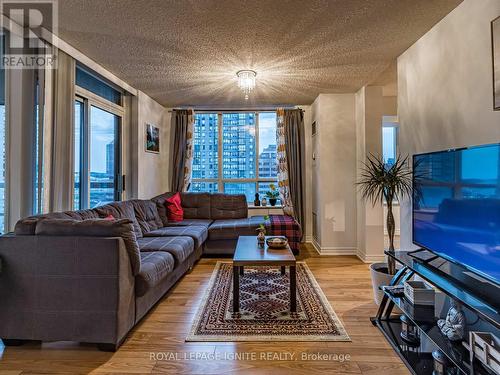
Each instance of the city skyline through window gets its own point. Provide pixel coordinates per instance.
(103, 131)
(244, 162)
(389, 139)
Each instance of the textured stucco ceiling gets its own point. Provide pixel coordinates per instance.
(186, 52)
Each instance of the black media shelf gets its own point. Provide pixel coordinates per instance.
(448, 278)
(418, 362)
(477, 294)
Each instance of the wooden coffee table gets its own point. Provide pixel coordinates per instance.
(248, 253)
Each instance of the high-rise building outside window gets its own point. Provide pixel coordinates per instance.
(97, 141)
(234, 153)
(390, 129)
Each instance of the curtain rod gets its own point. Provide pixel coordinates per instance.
(231, 110)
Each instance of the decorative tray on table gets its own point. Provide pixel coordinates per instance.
(276, 242)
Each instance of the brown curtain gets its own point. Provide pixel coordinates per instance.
(182, 156)
(294, 147)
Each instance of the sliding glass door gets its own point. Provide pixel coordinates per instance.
(97, 140)
(2, 150)
(96, 150)
(78, 154)
(104, 160)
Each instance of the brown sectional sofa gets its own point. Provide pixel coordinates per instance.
(225, 216)
(78, 277)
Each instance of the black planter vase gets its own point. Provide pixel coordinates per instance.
(256, 202)
(272, 201)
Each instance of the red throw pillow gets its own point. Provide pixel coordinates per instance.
(109, 217)
(174, 208)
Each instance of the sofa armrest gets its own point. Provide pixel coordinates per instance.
(65, 288)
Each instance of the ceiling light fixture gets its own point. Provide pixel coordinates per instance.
(246, 81)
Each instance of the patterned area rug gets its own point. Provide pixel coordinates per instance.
(264, 303)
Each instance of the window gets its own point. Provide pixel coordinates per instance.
(90, 82)
(238, 146)
(38, 145)
(234, 152)
(389, 139)
(2, 147)
(205, 152)
(103, 136)
(77, 153)
(97, 144)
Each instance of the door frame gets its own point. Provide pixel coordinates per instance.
(89, 100)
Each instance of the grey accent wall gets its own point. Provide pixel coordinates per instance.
(445, 88)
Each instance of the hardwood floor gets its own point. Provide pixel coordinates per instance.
(157, 344)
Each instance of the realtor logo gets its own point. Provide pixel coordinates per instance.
(29, 28)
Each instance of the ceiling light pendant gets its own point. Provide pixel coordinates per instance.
(246, 81)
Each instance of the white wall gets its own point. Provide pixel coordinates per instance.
(349, 127)
(370, 222)
(150, 169)
(445, 88)
(334, 173)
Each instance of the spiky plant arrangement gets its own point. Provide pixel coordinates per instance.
(380, 182)
(262, 227)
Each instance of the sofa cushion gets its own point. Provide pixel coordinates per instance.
(121, 210)
(27, 226)
(228, 206)
(196, 205)
(155, 266)
(231, 229)
(94, 228)
(146, 214)
(161, 206)
(180, 247)
(186, 222)
(82, 214)
(198, 233)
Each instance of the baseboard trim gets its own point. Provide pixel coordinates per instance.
(316, 246)
(339, 251)
(328, 250)
(370, 258)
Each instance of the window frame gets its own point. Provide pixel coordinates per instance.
(89, 100)
(390, 122)
(220, 180)
(38, 143)
(5, 158)
(393, 123)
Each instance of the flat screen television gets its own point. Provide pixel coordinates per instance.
(456, 207)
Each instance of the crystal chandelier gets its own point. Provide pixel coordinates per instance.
(246, 81)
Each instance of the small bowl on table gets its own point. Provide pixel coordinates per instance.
(276, 242)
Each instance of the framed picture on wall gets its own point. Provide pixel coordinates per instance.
(495, 38)
(152, 139)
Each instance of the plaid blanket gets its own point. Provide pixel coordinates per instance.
(282, 225)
